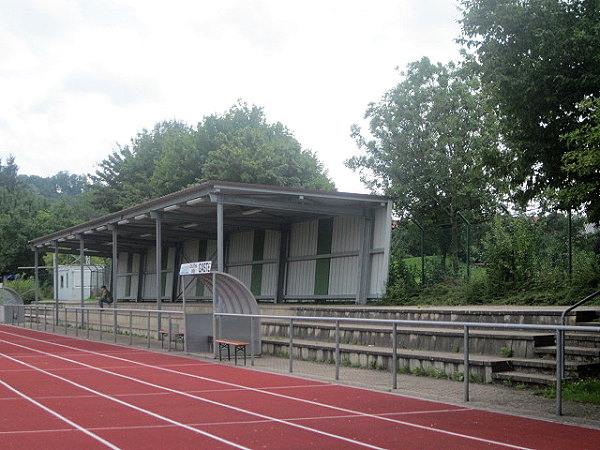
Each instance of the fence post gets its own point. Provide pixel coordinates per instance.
(76, 322)
(170, 332)
(66, 319)
(291, 346)
(466, 364)
(115, 325)
(394, 357)
(559, 370)
(251, 340)
(337, 349)
(148, 330)
(130, 327)
(100, 311)
(88, 323)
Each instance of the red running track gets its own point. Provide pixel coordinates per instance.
(60, 392)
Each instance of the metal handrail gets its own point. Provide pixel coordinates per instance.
(466, 326)
(563, 316)
(560, 342)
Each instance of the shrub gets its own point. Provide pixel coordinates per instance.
(25, 287)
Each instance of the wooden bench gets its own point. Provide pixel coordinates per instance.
(174, 336)
(237, 347)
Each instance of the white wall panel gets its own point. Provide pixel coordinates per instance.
(272, 240)
(378, 276)
(381, 222)
(242, 273)
(346, 234)
(151, 260)
(301, 278)
(269, 280)
(190, 251)
(343, 276)
(240, 247)
(303, 238)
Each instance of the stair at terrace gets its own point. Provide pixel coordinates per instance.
(495, 354)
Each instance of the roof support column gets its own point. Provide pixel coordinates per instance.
(82, 268)
(387, 244)
(220, 236)
(364, 267)
(157, 217)
(36, 274)
(282, 265)
(115, 263)
(55, 269)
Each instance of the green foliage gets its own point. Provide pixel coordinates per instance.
(537, 59)
(507, 352)
(239, 146)
(63, 185)
(401, 279)
(586, 390)
(582, 161)
(18, 205)
(25, 287)
(432, 134)
(586, 270)
(510, 251)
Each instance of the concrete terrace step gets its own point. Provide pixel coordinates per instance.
(495, 314)
(585, 352)
(548, 367)
(582, 339)
(527, 378)
(482, 366)
(482, 341)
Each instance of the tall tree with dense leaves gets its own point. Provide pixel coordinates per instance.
(244, 147)
(62, 185)
(137, 172)
(18, 210)
(582, 161)
(430, 139)
(537, 59)
(239, 145)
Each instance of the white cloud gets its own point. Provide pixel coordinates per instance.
(78, 76)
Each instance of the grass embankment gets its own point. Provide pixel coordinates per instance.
(478, 290)
(586, 390)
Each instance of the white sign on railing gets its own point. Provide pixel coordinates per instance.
(195, 268)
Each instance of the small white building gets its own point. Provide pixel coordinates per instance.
(69, 281)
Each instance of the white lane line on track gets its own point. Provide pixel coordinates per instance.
(275, 394)
(196, 424)
(59, 416)
(185, 394)
(150, 413)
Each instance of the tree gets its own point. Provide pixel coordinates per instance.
(133, 174)
(239, 145)
(245, 148)
(582, 161)
(62, 185)
(431, 136)
(18, 207)
(537, 59)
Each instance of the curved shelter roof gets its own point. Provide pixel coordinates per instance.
(230, 294)
(9, 296)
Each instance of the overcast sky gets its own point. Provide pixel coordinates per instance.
(79, 76)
